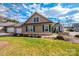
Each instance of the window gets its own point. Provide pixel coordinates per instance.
(45, 28)
(31, 28)
(36, 19)
(10, 29)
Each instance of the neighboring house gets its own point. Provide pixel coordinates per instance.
(76, 27)
(6, 27)
(37, 24)
(9, 27)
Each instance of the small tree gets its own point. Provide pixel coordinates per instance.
(69, 21)
(12, 20)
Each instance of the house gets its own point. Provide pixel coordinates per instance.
(76, 27)
(7, 27)
(36, 25)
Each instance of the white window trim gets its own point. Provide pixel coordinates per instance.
(30, 27)
(18, 30)
(10, 29)
(38, 19)
(46, 28)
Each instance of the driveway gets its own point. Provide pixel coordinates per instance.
(5, 34)
(72, 37)
(73, 33)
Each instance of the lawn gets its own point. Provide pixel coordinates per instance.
(24, 46)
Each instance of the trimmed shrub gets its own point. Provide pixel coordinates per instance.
(71, 30)
(14, 34)
(65, 33)
(77, 35)
(66, 38)
(60, 37)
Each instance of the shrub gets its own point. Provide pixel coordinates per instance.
(14, 34)
(77, 35)
(65, 33)
(71, 30)
(60, 37)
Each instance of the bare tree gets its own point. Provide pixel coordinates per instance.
(69, 21)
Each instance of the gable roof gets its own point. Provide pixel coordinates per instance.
(7, 24)
(18, 24)
(39, 15)
(58, 24)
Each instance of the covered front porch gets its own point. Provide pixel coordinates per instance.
(33, 34)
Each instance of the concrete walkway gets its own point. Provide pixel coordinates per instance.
(71, 38)
(73, 33)
(74, 39)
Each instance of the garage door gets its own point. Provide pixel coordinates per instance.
(18, 30)
(11, 29)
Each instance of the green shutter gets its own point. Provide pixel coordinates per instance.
(26, 29)
(42, 28)
(49, 28)
(34, 28)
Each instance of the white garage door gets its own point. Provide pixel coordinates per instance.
(18, 30)
(11, 29)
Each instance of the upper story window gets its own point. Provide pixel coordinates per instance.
(36, 19)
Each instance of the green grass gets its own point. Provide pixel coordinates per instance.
(23, 46)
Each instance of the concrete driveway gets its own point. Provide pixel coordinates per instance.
(73, 33)
(5, 34)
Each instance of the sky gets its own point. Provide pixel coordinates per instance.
(53, 11)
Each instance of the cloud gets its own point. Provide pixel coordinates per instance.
(23, 11)
(76, 17)
(3, 9)
(70, 12)
(35, 8)
(61, 12)
(24, 6)
(56, 11)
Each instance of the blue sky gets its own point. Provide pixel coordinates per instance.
(55, 11)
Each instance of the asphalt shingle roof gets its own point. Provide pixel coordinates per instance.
(7, 24)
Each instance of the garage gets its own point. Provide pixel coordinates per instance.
(19, 30)
(10, 29)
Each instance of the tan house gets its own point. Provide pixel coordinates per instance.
(37, 24)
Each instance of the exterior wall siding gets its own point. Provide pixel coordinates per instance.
(39, 28)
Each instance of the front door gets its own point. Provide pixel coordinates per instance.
(38, 28)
